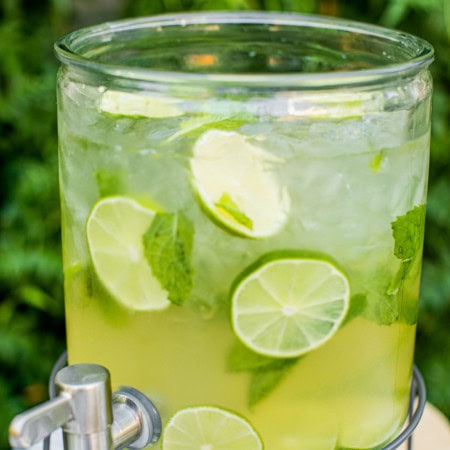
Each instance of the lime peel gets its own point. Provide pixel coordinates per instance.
(131, 104)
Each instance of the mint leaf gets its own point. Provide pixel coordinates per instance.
(242, 359)
(265, 380)
(168, 250)
(358, 304)
(109, 182)
(266, 372)
(228, 207)
(408, 232)
(381, 309)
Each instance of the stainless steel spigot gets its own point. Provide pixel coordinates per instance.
(91, 417)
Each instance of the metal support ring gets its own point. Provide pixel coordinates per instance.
(416, 407)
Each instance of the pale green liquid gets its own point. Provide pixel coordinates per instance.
(345, 190)
(354, 388)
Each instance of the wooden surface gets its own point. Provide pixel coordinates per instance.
(433, 431)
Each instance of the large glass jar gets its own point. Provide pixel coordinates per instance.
(243, 199)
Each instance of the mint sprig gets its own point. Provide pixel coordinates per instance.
(398, 301)
(408, 234)
(168, 250)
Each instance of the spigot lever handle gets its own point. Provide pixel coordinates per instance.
(32, 426)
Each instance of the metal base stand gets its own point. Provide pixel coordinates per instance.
(416, 406)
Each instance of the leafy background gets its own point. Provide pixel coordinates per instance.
(31, 298)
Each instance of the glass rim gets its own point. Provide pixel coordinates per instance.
(421, 51)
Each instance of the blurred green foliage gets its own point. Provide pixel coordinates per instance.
(31, 302)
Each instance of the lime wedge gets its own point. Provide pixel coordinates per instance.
(237, 185)
(209, 428)
(139, 105)
(114, 233)
(286, 306)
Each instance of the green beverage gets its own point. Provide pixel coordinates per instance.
(243, 223)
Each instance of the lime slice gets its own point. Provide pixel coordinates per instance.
(139, 105)
(286, 306)
(209, 428)
(343, 105)
(114, 233)
(237, 185)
